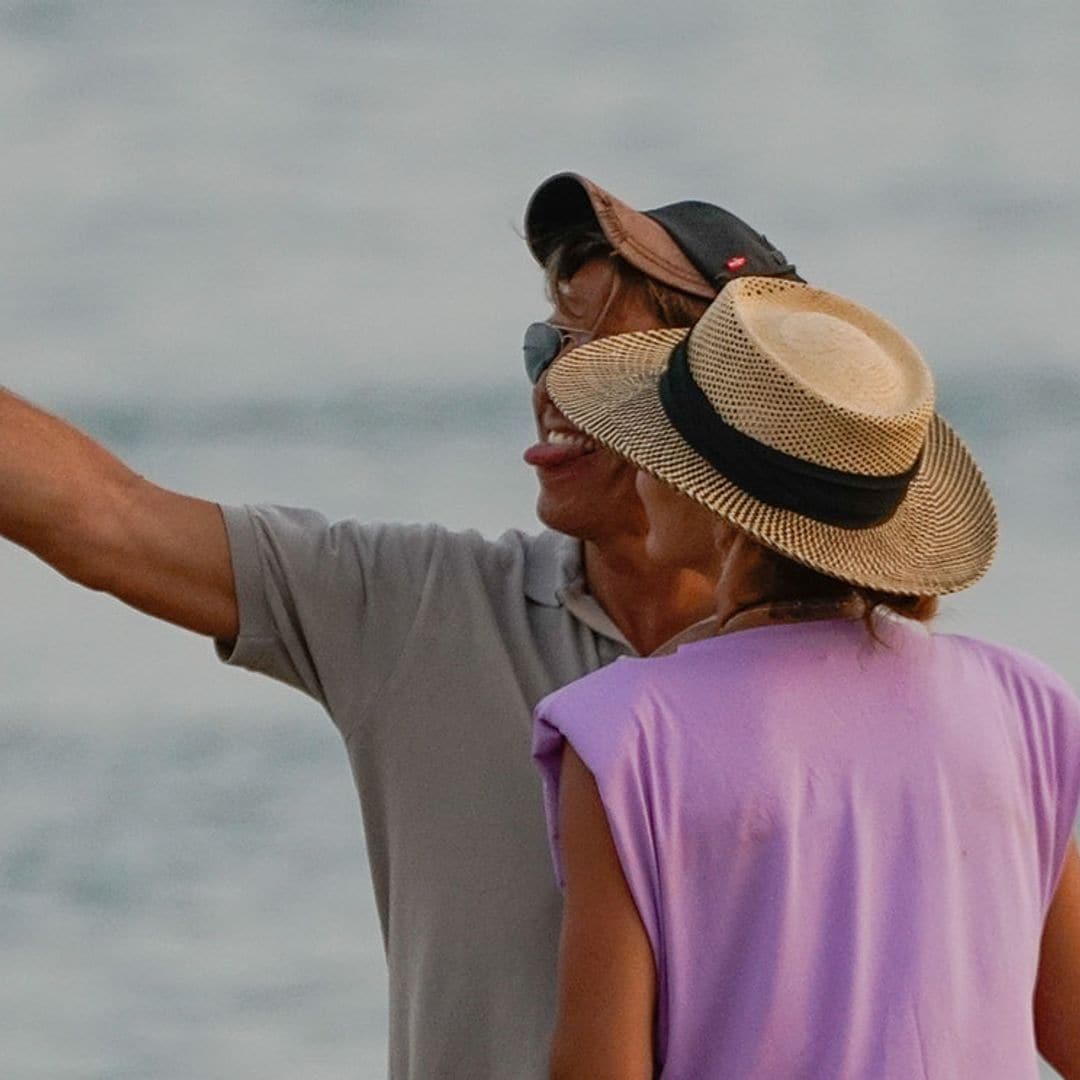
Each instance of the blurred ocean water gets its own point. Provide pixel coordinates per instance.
(267, 252)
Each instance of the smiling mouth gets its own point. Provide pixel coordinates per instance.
(559, 448)
(568, 438)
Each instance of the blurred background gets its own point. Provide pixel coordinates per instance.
(270, 252)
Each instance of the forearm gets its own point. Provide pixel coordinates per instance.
(79, 508)
(57, 486)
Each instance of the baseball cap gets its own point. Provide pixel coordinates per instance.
(693, 246)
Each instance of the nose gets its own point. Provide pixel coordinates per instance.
(540, 397)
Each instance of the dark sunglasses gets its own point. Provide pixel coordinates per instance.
(544, 341)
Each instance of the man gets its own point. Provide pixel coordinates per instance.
(427, 648)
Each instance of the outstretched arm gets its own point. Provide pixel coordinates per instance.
(72, 503)
(1057, 991)
(607, 978)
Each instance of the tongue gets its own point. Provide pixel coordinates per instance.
(548, 455)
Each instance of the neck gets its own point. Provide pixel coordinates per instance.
(649, 603)
(754, 588)
(774, 612)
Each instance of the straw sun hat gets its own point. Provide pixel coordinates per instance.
(805, 420)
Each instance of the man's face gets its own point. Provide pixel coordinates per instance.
(585, 490)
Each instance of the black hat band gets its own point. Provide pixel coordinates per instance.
(831, 496)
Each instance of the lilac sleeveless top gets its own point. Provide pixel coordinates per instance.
(842, 851)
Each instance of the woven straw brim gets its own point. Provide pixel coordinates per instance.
(941, 538)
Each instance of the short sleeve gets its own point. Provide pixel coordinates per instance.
(326, 607)
(598, 718)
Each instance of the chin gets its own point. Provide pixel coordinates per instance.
(585, 520)
(555, 514)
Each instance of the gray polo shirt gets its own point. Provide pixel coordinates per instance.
(428, 649)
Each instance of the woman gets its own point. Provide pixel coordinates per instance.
(821, 841)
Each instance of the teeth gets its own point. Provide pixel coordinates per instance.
(565, 438)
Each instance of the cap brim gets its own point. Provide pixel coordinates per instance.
(940, 540)
(568, 200)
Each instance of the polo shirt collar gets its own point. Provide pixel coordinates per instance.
(555, 577)
(552, 562)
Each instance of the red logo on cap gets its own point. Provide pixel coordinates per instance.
(736, 262)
